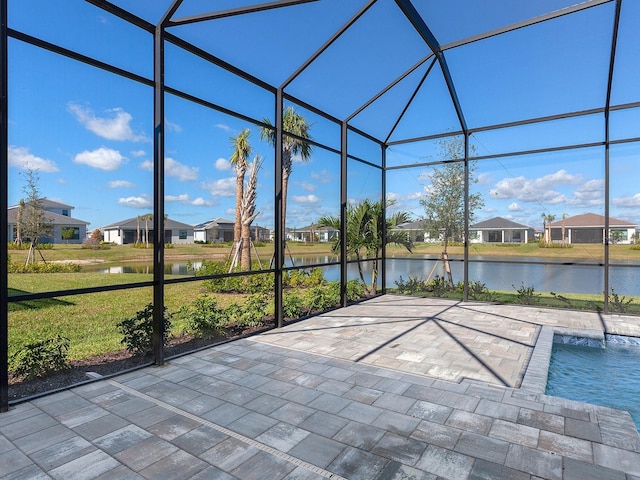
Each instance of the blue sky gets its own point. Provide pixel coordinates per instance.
(89, 133)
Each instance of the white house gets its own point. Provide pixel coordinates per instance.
(311, 233)
(57, 214)
(500, 230)
(135, 229)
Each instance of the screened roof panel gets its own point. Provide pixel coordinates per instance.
(453, 20)
(270, 44)
(627, 67)
(431, 111)
(553, 67)
(81, 27)
(370, 55)
(380, 117)
(150, 10)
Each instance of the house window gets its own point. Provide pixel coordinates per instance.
(182, 234)
(517, 237)
(70, 233)
(65, 212)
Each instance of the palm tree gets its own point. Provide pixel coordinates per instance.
(138, 229)
(297, 144)
(547, 218)
(365, 224)
(241, 151)
(146, 219)
(248, 213)
(564, 217)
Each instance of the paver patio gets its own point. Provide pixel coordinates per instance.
(395, 387)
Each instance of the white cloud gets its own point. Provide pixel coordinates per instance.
(222, 164)
(173, 168)
(102, 158)
(114, 126)
(183, 198)
(201, 202)
(21, 158)
(514, 207)
(183, 172)
(484, 179)
(224, 187)
(147, 165)
(186, 200)
(414, 195)
(323, 176)
(172, 127)
(627, 202)
(224, 127)
(393, 197)
(138, 153)
(307, 187)
(535, 189)
(121, 184)
(143, 201)
(589, 194)
(306, 198)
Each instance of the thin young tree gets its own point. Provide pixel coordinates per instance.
(248, 213)
(296, 144)
(241, 151)
(34, 224)
(444, 197)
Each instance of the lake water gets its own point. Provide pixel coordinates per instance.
(562, 277)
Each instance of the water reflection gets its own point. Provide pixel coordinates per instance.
(561, 278)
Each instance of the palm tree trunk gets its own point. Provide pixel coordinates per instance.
(237, 226)
(285, 186)
(245, 255)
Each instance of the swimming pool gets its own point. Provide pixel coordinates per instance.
(608, 375)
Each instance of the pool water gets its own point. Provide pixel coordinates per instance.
(607, 376)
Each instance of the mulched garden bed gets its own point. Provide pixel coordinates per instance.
(112, 363)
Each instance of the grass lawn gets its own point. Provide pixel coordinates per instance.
(119, 254)
(89, 321)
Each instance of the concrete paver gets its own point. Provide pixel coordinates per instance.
(395, 387)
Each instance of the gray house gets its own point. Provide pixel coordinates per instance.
(589, 228)
(57, 214)
(220, 230)
(500, 230)
(134, 230)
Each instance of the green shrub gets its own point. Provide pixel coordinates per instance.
(253, 311)
(138, 331)
(292, 304)
(355, 290)
(438, 286)
(39, 267)
(203, 317)
(259, 283)
(41, 358)
(413, 284)
(618, 303)
(322, 297)
(526, 294)
(220, 285)
(478, 290)
(304, 278)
